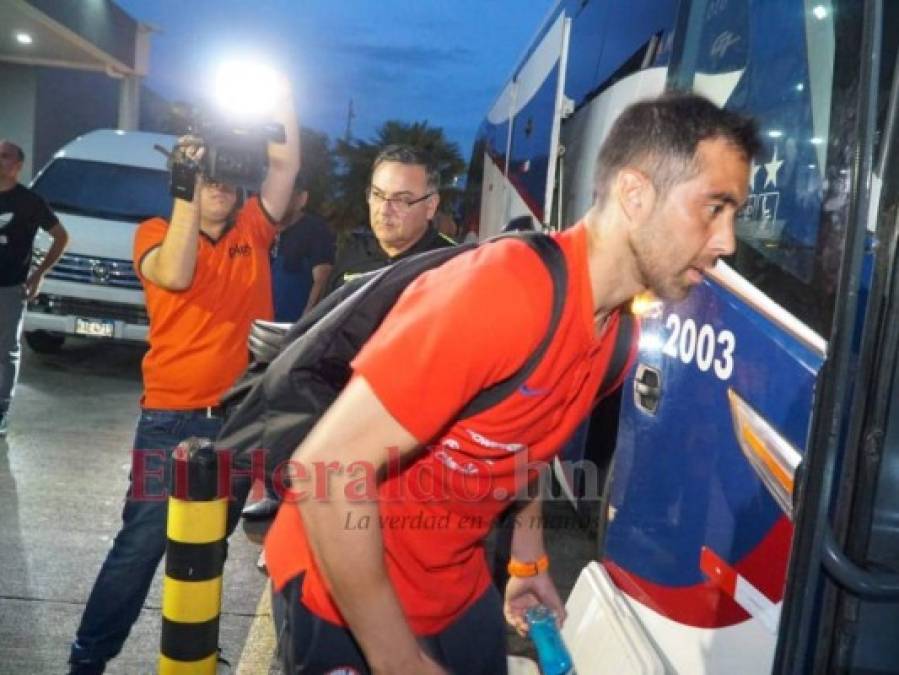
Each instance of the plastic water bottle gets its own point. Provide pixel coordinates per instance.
(551, 650)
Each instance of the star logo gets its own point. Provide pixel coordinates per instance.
(753, 171)
(771, 169)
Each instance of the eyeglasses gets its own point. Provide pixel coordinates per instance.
(402, 204)
(218, 185)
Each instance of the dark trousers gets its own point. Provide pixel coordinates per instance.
(12, 310)
(475, 644)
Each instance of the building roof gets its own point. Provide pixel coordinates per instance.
(97, 35)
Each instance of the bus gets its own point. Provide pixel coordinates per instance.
(749, 511)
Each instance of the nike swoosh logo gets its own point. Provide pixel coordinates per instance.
(525, 390)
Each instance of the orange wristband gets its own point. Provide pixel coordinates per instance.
(516, 568)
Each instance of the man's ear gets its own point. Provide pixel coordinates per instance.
(302, 199)
(433, 203)
(634, 193)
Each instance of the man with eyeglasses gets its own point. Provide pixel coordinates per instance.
(402, 199)
(206, 278)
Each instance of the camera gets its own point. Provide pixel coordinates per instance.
(235, 153)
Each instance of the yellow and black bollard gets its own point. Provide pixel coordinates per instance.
(194, 559)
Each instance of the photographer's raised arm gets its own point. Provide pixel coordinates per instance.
(283, 158)
(171, 265)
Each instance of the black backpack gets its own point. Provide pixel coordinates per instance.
(297, 371)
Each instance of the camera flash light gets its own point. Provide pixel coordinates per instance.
(246, 88)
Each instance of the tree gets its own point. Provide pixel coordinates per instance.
(355, 158)
(318, 167)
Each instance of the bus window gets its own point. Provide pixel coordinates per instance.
(789, 230)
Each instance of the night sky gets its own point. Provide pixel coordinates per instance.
(443, 61)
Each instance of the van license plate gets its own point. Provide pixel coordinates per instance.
(94, 327)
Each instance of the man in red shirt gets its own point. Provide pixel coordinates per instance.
(377, 561)
(206, 278)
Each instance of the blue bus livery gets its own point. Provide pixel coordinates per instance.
(712, 473)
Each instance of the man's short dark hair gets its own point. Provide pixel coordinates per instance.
(407, 154)
(659, 137)
(20, 154)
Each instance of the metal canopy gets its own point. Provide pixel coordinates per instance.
(85, 35)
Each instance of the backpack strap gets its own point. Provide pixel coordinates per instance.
(554, 259)
(620, 353)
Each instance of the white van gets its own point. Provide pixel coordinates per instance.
(101, 185)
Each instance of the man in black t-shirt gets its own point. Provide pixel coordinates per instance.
(21, 213)
(302, 258)
(402, 195)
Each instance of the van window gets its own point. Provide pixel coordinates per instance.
(102, 190)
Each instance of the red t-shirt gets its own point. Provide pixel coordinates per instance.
(198, 336)
(456, 330)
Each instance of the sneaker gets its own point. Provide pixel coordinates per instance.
(82, 662)
(264, 509)
(222, 665)
(3, 426)
(86, 668)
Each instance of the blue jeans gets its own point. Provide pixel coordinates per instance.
(125, 576)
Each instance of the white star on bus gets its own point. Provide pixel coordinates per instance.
(771, 169)
(753, 171)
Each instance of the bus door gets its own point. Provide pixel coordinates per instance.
(516, 182)
(717, 416)
(841, 608)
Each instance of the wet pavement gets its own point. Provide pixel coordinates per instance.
(63, 475)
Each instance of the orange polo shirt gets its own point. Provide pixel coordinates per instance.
(456, 330)
(198, 337)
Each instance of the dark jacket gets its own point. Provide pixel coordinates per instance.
(362, 253)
